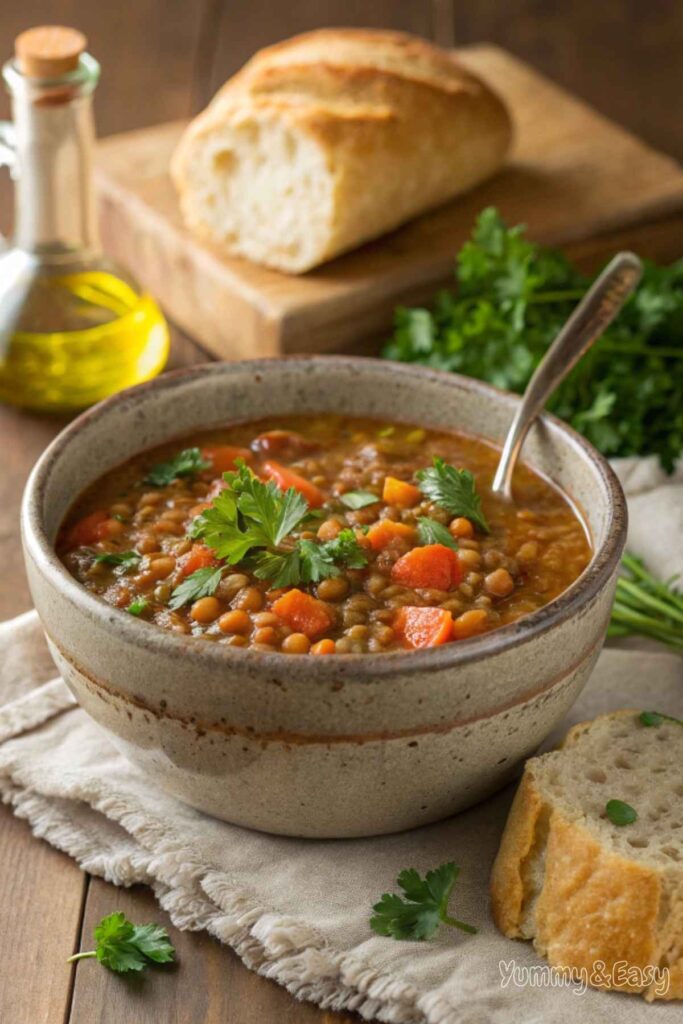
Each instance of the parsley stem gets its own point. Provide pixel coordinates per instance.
(81, 956)
(469, 928)
(635, 596)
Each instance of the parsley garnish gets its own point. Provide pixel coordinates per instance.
(647, 606)
(358, 499)
(250, 520)
(454, 490)
(188, 462)
(123, 946)
(620, 813)
(657, 718)
(124, 560)
(138, 606)
(513, 296)
(424, 908)
(431, 532)
(202, 583)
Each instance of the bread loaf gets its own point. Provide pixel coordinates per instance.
(587, 891)
(330, 139)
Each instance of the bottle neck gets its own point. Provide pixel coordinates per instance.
(55, 213)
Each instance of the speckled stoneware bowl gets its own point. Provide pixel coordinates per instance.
(346, 745)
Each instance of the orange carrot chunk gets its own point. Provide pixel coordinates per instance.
(423, 627)
(384, 531)
(223, 457)
(198, 557)
(286, 478)
(88, 530)
(303, 613)
(433, 566)
(399, 493)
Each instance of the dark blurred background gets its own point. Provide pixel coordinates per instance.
(163, 59)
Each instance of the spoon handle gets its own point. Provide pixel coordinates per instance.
(592, 316)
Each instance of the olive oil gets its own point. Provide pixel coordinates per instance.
(74, 327)
(80, 337)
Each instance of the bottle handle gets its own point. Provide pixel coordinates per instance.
(8, 153)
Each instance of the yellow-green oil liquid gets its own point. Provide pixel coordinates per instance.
(81, 337)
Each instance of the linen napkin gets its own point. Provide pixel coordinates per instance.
(297, 910)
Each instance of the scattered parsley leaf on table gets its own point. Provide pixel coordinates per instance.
(188, 462)
(512, 298)
(424, 908)
(620, 813)
(454, 490)
(123, 946)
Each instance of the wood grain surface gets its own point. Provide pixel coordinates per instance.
(572, 176)
(161, 59)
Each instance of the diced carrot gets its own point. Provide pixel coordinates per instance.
(433, 566)
(469, 623)
(284, 443)
(384, 531)
(423, 627)
(198, 557)
(303, 613)
(89, 530)
(326, 646)
(399, 493)
(286, 478)
(223, 457)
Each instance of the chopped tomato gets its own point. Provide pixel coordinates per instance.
(285, 443)
(423, 627)
(303, 613)
(433, 566)
(198, 557)
(384, 531)
(88, 530)
(399, 493)
(286, 478)
(223, 457)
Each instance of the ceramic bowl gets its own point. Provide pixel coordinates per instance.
(346, 745)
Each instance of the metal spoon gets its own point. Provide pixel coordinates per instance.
(592, 316)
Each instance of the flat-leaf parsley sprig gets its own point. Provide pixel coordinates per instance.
(453, 490)
(424, 908)
(188, 462)
(123, 946)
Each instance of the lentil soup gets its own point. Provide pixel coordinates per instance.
(323, 535)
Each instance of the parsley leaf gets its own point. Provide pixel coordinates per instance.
(123, 946)
(429, 531)
(620, 813)
(358, 499)
(424, 908)
(345, 548)
(202, 583)
(124, 560)
(138, 606)
(657, 718)
(454, 490)
(512, 298)
(309, 561)
(247, 514)
(186, 463)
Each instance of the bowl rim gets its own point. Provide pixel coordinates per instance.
(153, 639)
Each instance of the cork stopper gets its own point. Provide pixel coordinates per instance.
(49, 50)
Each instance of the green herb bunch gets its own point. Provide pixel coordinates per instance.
(512, 298)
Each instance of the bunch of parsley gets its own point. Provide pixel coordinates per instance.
(512, 298)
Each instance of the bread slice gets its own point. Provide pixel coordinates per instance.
(333, 138)
(587, 890)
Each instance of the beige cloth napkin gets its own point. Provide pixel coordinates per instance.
(297, 910)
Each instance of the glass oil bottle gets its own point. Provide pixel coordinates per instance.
(74, 327)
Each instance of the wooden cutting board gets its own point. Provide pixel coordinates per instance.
(575, 178)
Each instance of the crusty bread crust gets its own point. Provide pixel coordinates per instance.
(581, 902)
(399, 125)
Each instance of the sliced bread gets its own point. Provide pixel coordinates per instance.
(589, 891)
